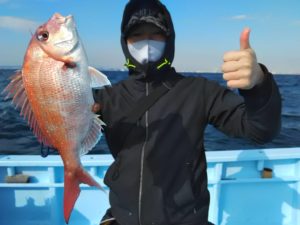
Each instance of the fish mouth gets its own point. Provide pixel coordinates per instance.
(61, 19)
(68, 40)
(69, 20)
(69, 27)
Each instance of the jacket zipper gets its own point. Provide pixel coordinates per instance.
(142, 161)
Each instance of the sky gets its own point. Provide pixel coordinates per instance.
(205, 30)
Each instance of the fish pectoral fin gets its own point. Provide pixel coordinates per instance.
(93, 136)
(72, 189)
(16, 90)
(98, 79)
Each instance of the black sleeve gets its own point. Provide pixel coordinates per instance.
(98, 95)
(255, 113)
(103, 97)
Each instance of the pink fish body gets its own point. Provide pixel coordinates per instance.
(54, 92)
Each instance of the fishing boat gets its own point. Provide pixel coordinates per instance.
(247, 187)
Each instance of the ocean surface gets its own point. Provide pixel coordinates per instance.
(16, 137)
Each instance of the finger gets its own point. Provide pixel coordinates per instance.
(244, 39)
(241, 84)
(96, 108)
(234, 55)
(240, 74)
(231, 66)
(233, 76)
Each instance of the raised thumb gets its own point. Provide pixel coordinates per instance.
(244, 39)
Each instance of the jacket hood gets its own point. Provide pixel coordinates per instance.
(141, 7)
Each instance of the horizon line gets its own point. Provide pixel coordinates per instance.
(103, 68)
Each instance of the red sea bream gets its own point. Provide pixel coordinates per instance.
(54, 93)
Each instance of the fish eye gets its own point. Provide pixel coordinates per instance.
(43, 36)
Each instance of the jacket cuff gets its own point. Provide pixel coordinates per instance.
(258, 96)
(96, 94)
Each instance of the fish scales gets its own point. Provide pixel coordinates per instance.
(54, 92)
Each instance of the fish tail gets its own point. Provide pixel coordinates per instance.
(72, 189)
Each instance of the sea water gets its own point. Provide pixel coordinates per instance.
(17, 138)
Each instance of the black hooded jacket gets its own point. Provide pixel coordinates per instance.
(159, 175)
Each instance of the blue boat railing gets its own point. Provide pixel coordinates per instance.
(247, 187)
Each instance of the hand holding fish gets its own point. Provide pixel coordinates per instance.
(240, 68)
(96, 108)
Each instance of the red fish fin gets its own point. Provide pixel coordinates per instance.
(15, 84)
(16, 90)
(98, 79)
(71, 193)
(93, 136)
(72, 189)
(86, 178)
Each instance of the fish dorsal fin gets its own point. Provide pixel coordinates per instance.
(98, 79)
(16, 90)
(93, 136)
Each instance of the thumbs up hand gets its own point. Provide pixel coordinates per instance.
(240, 68)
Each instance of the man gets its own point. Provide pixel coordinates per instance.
(159, 173)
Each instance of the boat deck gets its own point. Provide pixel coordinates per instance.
(247, 187)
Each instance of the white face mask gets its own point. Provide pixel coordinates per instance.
(147, 50)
